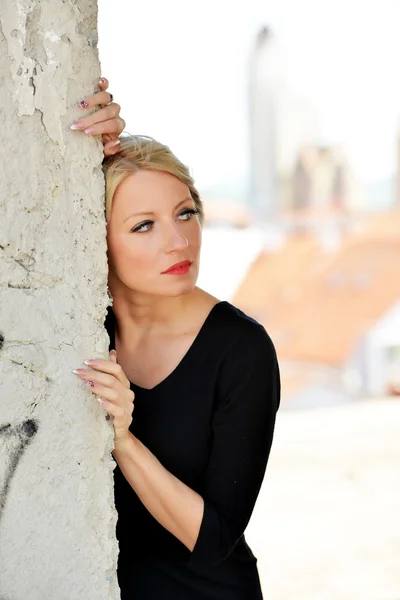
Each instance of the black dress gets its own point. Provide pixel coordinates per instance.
(211, 424)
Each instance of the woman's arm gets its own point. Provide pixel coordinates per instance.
(171, 502)
(242, 431)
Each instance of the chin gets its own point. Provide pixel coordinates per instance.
(169, 288)
(179, 290)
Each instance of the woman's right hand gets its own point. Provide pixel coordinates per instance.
(105, 121)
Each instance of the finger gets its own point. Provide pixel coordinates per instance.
(103, 83)
(103, 114)
(113, 355)
(109, 126)
(111, 148)
(102, 98)
(109, 137)
(113, 409)
(105, 368)
(97, 388)
(122, 398)
(97, 380)
(90, 125)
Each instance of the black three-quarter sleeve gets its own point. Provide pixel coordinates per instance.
(247, 399)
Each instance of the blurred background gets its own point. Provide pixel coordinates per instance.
(288, 115)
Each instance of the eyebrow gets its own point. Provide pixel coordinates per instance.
(138, 214)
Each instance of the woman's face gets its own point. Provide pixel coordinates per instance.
(153, 227)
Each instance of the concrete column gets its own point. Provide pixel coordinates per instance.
(57, 515)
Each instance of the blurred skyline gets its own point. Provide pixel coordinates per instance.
(180, 72)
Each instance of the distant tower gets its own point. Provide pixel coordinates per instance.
(263, 90)
(321, 179)
(397, 199)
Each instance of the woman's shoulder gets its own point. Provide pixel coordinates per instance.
(233, 317)
(231, 326)
(246, 356)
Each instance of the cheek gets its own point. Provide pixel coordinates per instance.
(194, 237)
(132, 250)
(140, 252)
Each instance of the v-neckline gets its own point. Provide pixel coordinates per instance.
(184, 357)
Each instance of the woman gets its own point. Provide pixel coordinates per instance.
(204, 380)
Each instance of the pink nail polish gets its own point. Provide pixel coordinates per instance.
(102, 80)
(78, 125)
(89, 130)
(82, 104)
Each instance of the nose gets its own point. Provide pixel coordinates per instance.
(175, 240)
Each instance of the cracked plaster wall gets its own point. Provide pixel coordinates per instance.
(57, 515)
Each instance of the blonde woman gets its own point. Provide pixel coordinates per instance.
(203, 379)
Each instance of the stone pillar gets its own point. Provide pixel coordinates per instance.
(57, 515)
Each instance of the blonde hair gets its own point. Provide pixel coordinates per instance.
(139, 152)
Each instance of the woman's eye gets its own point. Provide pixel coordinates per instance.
(185, 215)
(142, 227)
(188, 213)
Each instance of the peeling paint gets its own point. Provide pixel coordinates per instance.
(56, 474)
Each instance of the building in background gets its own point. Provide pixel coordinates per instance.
(281, 122)
(265, 84)
(312, 262)
(333, 312)
(321, 178)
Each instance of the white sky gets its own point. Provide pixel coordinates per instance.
(178, 69)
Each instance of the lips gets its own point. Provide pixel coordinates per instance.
(180, 267)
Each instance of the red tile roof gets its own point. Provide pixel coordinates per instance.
(317, 305)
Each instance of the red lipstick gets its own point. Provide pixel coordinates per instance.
(179, 268)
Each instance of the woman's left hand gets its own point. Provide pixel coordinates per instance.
(104, 121)
(108, 381)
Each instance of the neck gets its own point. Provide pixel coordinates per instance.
(139, 316)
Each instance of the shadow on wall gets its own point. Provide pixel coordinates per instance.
(16, 439)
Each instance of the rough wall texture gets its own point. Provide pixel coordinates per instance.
(57, 515)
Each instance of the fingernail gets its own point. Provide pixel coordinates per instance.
(116, 143)
(102, 80)
(78, 125)
(82, 104)
(75, 371)
(89, 130)
(88, 362)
